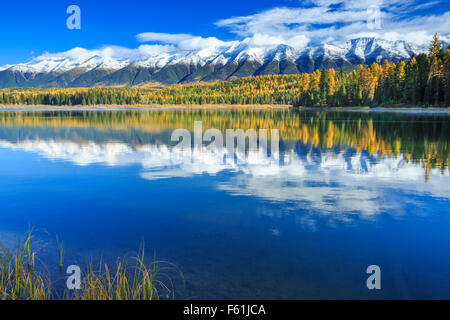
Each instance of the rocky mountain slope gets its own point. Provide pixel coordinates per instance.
(84, 68)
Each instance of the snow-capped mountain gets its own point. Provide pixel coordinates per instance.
(84, 68)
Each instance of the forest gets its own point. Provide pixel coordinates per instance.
(422, 81)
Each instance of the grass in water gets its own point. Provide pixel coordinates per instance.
(19, 279)
(125, 282)
(60, 255)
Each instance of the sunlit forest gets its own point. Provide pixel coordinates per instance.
(421, 139)
(422, 81)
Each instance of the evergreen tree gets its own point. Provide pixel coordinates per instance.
(447, 76)
(411, 82)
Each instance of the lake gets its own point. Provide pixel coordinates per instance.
(344, 190)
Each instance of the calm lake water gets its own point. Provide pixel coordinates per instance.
(346, 190)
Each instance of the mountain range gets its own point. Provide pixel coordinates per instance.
(84, 68)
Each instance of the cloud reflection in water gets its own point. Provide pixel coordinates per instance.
(337, 184)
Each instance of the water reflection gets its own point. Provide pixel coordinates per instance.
(420, 137)
(332, 163)
(350, 189)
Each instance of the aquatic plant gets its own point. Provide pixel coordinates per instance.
(19, 279)
(123, 283)
(60, 254)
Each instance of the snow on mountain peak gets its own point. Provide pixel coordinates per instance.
(356, 51)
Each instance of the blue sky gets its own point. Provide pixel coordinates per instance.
(31, 28)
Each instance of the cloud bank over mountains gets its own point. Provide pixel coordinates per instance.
(336, 21)
(324, 21)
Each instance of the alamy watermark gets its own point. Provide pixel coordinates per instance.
(373, 17)
(74, 280)
(73, 22)
(235, 142)
(374, 281)
(74, 277)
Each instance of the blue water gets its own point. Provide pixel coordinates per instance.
(304, 227)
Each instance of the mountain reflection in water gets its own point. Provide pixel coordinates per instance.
(334, 168)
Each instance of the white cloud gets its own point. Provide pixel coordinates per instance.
(182, 41)
(263, 40)
(340, 20)
(163, 37)
(109, 51)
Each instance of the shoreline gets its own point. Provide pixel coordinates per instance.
(409, 109)
(141, 107)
